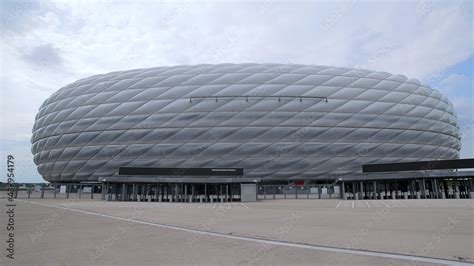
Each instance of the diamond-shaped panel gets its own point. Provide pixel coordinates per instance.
(145, 117)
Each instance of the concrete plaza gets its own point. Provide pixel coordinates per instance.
(85, 231)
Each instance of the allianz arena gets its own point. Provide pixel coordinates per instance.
(272, 122)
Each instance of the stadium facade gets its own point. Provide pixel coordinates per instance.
(232, 124)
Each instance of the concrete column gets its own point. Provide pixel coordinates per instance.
(174, 193)
(134, 192)
(124, 191)
(161, 193)
(220, 193)
(68, 189)
(432, 191)
(92, 191)
(466, 188)
(417, 193)
(42, 192)
(354, 193)
(205, 192)
(456, 189)
(362, 195)
(440, 185)
(170, 197)
(103, 188)
(138, 191)
(141, 189)
(171, 193)
(375, 190)
(80, 191)
(227, 192)
(405, 194)
(392, 190)
(343, 191)
(139, 195)
(54, 188)
(178, 193)
(423, 188)
(146, 191)
(436, 188)
(16, 191)
(185, 193)
(296, 192)
(113, 191)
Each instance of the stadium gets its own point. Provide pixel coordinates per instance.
(224, 132)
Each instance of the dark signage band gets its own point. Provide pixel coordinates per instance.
(181, 171)
(416, 166)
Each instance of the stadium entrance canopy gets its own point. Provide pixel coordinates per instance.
(423, 179)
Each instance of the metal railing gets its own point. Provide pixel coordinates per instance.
(279, 97)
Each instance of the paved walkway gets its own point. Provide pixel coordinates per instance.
(268, 232)
(422, 203)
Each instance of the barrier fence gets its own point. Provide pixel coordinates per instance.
(298, 192)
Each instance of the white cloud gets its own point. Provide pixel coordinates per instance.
(455, 81)
(47, 45)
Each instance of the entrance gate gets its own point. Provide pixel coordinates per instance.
(172, 192)
(320, 191)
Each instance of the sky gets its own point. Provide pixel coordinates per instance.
(46, 45)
